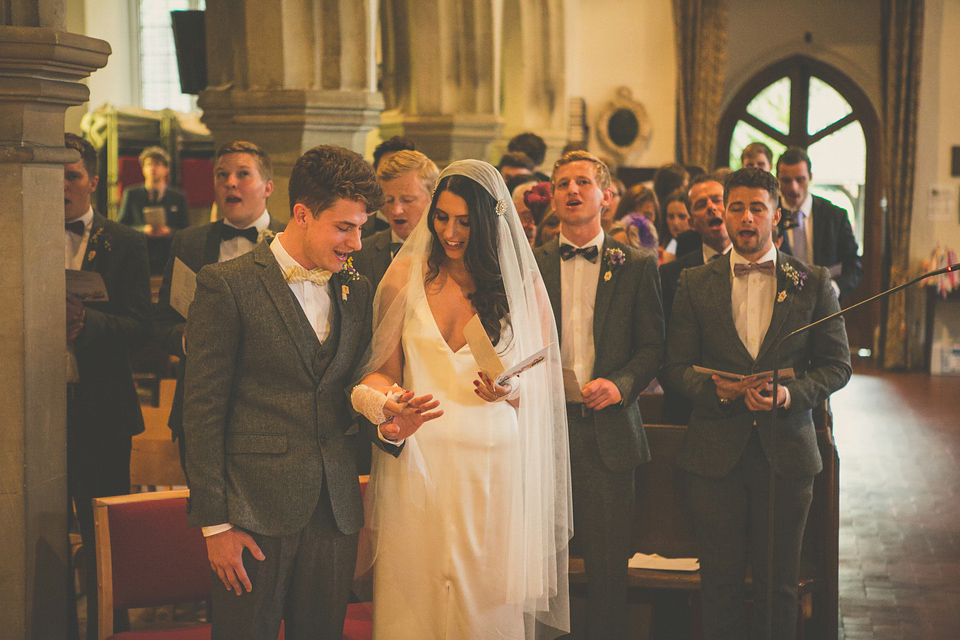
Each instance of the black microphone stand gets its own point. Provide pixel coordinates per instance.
(773, 419)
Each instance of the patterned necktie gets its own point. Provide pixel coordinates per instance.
(297, 273)
(229, 233)
(740, 269)
(76, 227)
(567, 251)
(395, 248)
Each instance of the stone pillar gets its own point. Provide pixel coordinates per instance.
(289, 75)
(39, 73)
(441, 76)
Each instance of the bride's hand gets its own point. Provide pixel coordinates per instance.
(490, 390)
(405, 423)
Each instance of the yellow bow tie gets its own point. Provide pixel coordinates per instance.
(299, 274)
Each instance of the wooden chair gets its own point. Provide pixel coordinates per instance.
(147, 556)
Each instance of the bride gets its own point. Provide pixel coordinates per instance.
(467, 528)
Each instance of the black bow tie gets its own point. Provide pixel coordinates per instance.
(567, 251)
(395, 248)
(76, 227)
(229, 233)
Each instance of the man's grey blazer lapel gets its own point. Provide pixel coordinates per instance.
(551, 279)
(344, 303)
(279, 292)
(605, 290)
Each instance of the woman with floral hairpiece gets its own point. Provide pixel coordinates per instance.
(467, 528)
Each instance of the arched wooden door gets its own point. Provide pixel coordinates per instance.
(807, 103)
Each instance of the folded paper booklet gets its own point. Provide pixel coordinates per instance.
(487, 358)
(785, 374)
(86, 285)
(155, 216)
(643, 561)
(183, 286)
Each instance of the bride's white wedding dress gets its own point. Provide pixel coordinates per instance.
(438, 573)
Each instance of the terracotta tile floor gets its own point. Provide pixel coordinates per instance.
(898, 435)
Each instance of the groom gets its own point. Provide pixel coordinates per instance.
(274, 338)
(606, 299)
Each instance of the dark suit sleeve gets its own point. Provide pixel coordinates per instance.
(684, 347)
(851, 270)
(829, 354)
(170, 324)
(128, 315)
(180, 219)
(648, 335)
(214, 328)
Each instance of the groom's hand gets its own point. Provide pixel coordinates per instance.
(406, 423)
(225, 551)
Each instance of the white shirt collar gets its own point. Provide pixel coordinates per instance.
(86, 219)
(708, 252)
(260, 223)
(736, 258)
(394, 237)
(807, 205)
(283, 258)
(597, 240)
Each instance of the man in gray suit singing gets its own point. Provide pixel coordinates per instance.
(606, 299)
(729, 315)
(274, 337)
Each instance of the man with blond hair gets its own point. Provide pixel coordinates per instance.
(606, 300)
(243, 180)
(407, 178)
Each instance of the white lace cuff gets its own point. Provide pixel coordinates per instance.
(369, 402)
(514, 385)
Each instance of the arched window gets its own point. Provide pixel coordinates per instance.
(806, 103)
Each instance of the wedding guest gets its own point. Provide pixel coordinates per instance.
(757, 154)
(547, 230)
(469, 524)
(634, 221)
(730, 315)
(532, 146)
(611, 340)
(242, 182)
(515, 163)
(676, 220)
(390, 146)
(669, 178)
(103, 410)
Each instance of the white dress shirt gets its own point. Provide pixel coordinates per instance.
(234, 247)
(314, 299)
(752, 298)
(578, 295)
(76, 246)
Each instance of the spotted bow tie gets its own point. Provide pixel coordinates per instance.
(568, 251)
(740, 269)
(299, 274)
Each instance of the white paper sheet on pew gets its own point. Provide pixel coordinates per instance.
(183, 286)
(643, 561)
(487, 358)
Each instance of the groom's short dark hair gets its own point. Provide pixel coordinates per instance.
(752, 178)
(328, 173)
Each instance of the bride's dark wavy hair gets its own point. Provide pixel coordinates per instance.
(480, 257)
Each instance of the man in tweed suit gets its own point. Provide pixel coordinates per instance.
(606, 299)
(729, 315)
(274, 337)
(243, 180)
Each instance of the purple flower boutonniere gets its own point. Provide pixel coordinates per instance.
(348, 273)
(794, 281)
(612, 260)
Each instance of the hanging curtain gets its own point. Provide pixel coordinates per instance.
(902, 33)
(701, 29)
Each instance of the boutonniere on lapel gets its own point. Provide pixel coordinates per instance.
(348, 274)
(612, 259)
(266, 234)
(98, 240)
(794, 281)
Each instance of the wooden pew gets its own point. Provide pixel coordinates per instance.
(663, 526)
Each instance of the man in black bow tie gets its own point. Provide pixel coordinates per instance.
(606, 299)
(242, 182)
(103, 411)
(729, 315)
